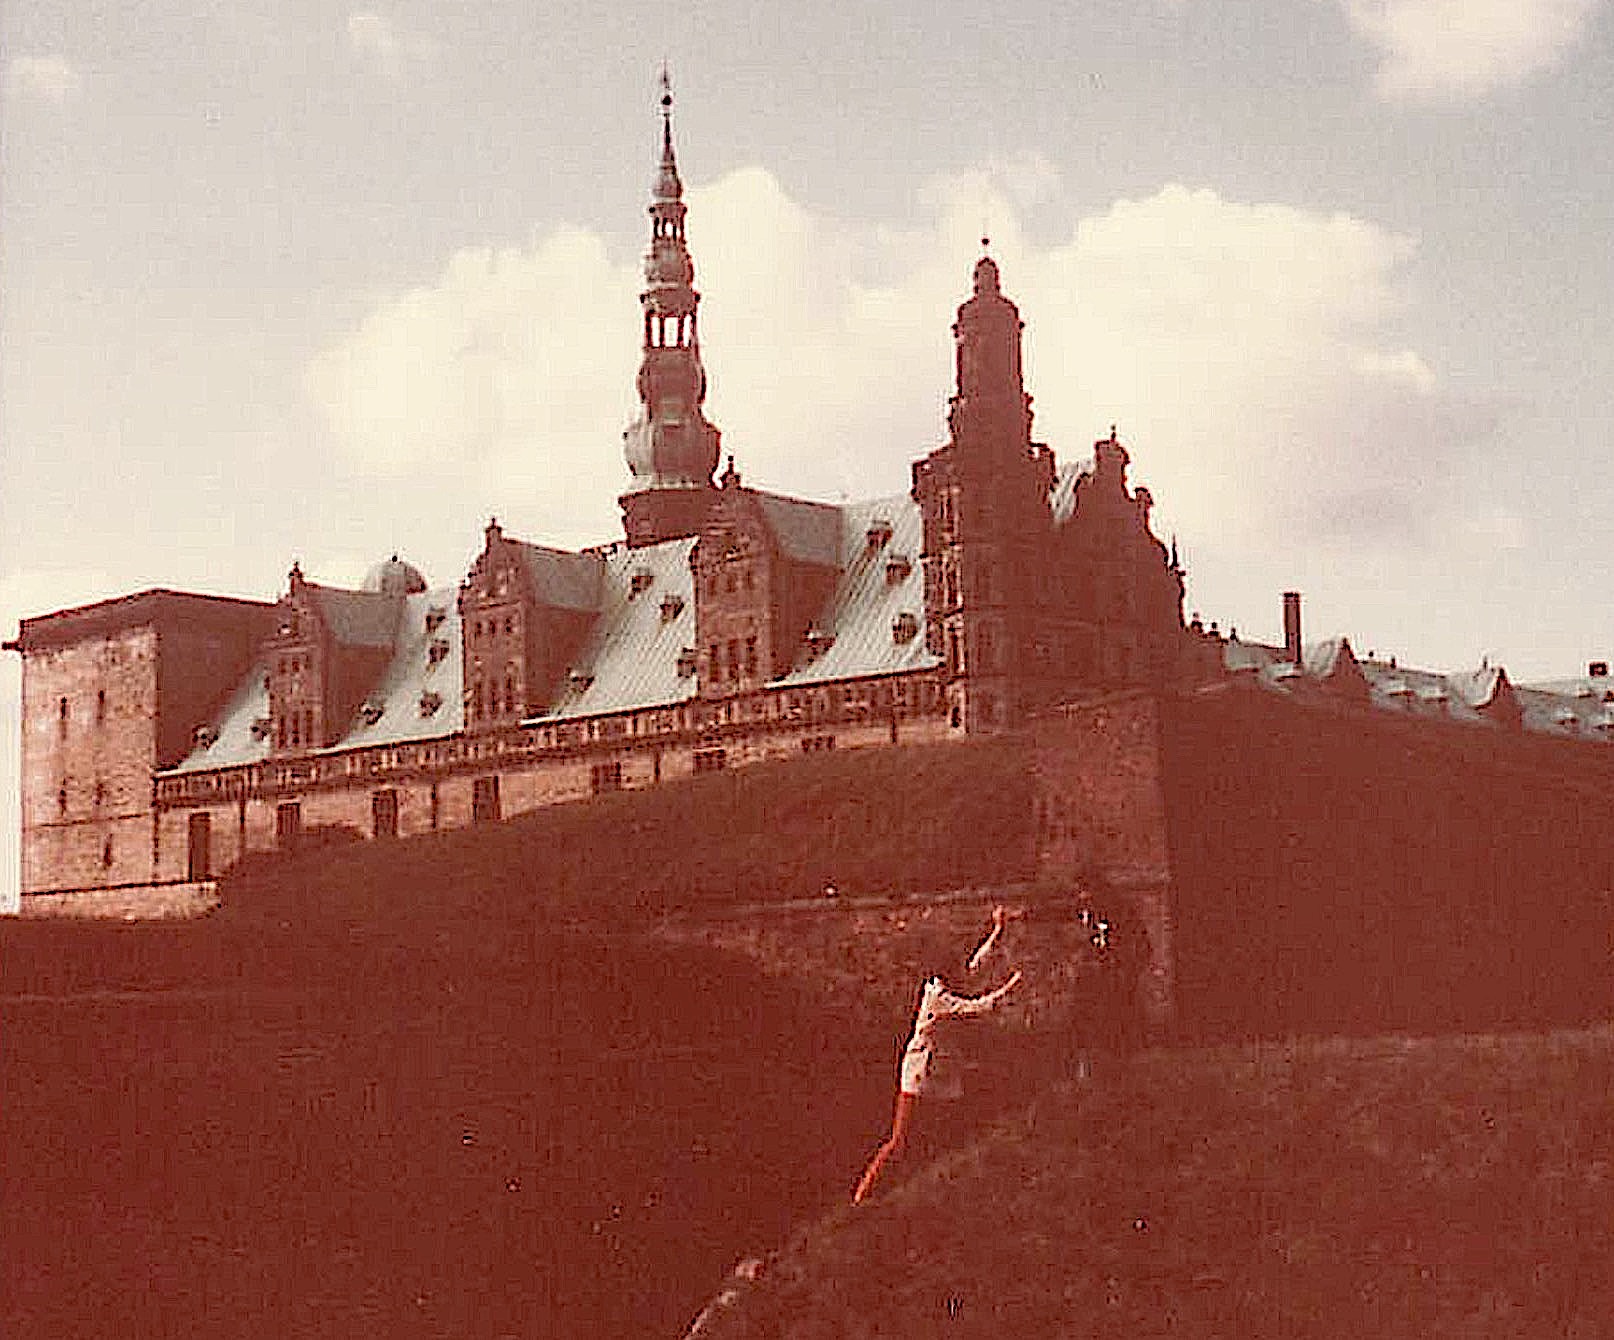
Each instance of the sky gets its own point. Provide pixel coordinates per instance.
(292, 280)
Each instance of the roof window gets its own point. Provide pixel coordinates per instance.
(819, 641)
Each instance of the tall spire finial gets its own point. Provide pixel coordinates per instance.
(668, 186)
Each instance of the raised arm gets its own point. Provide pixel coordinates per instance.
(999, 916)
(948, 1003)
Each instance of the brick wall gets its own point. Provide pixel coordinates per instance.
(1101, 823)
(876, 953)
(98, 756)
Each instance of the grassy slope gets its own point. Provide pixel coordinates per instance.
(1381, 1187)
(379, 1094)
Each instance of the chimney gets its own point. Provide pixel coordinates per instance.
(1291, 626)
(1597, 670)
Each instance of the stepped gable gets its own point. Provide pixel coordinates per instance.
(526, 610)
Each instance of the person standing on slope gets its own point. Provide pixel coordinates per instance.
(936, 1003)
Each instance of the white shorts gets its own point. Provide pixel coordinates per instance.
(915, 1070)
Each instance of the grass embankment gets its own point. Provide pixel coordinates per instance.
(1345, 1188)
(383, 1091)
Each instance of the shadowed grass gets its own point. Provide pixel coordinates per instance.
(1455, 1186)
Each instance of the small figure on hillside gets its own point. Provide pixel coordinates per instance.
(936, 1003)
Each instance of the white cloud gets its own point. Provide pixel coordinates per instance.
(1444, 49)
(1251, 354)
(393, 51)
(47, 78)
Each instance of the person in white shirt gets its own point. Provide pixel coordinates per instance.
(936, 1003)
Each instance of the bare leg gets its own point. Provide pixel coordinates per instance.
(901, 1123)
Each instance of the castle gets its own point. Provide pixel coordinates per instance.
(167, 734)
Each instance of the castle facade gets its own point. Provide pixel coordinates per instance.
(167, 734)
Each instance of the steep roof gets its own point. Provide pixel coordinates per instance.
(561, 578)
(807, 532)
(870, 596)
(631, 659)
(1577, 707)
(357, 618)
(1062, 497)
(415, 678)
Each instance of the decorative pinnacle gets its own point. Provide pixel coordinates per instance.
(666, 115)
(668, 187)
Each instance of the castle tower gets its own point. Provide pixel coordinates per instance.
(671, 449)
(983, 499)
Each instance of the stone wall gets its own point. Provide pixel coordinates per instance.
(148, 902)
(874, 953)
(88, 747)
(522, 789)
(1101, 824)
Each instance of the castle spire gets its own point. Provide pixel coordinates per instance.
(671, 450)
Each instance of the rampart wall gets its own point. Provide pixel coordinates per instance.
(1337, 869)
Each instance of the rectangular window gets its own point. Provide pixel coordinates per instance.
(199, 858)
(288, 823)
(751, 656)
(711, 760)
(384, 813)
(485, 800)
(606, 777)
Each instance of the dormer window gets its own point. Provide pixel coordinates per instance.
(261, 727)
(372, 712)
(819, 641)
(437, 652)
(641, 581)
(430, 702)
(878, 535)
(904, 628)
(687, 661)
(205, 737)
(897, 568)
(672, 605)
(434, 618)
(579, 680)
